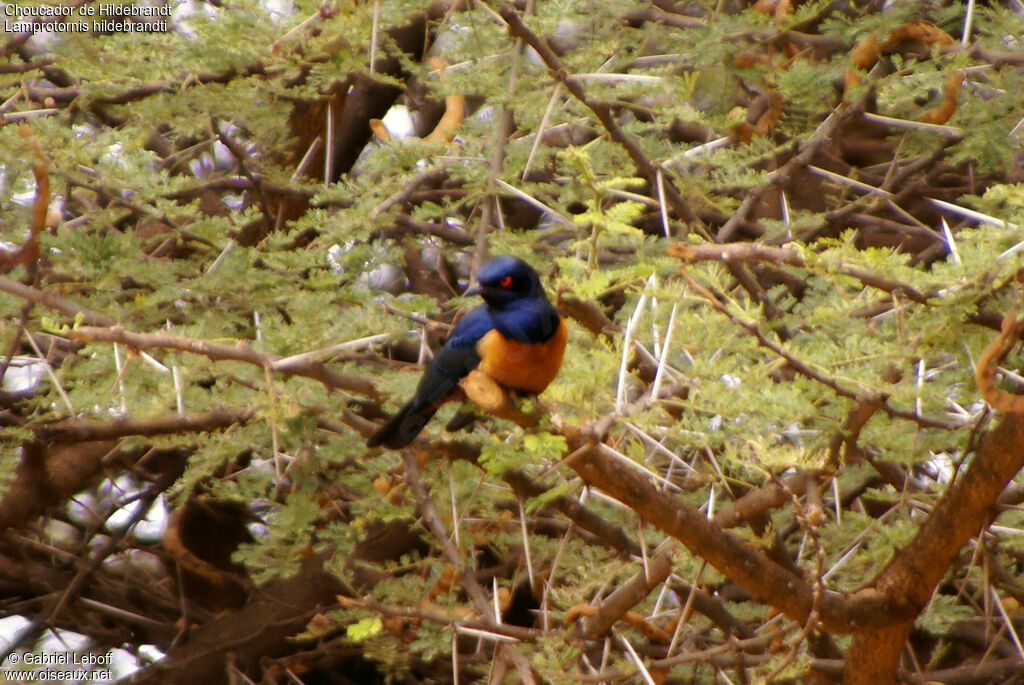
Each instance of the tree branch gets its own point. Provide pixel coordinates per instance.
(603, 112)
(630, 593)
(52, 301)
(731, 253)
(170, 424)
(241, 352)
(809, 371)
(748, 566)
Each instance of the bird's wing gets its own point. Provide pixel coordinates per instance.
(530, 320)
(455, 360)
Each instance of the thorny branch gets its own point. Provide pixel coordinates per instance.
(603, 112)
(66, 454)
(241, 352)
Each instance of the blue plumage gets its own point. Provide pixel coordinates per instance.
(515, 314)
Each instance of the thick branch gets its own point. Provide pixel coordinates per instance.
(259, 630)
(912, 576)
(770, 496)
(874, 655)
(170, 424)
(748, 566)
(910, 579)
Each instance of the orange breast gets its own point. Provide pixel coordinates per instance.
(522, 366)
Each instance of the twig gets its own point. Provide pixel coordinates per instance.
(427, 176)
(556, 94)
(240, 351)
(1008, 622)
(663, 357)
(286, 363)
(405, 223)
(325, 11)
(752, 644)
(526, 543)
(807, 370)
(49, 371)
(951, 131)
(375, 39)
(530, 199)
(620, 388)
(300, 168)
(602, 111)
(243, 163)
(48, 299)
(637, 661)
(968, 21)
(436, 526)
(790, 256)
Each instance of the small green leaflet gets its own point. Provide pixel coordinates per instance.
(364, 628)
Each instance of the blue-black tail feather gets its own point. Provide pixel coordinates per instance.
(403, 427)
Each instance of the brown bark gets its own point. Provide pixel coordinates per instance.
(46, 477)
(874, 654)
(881, 614)
(740, 561)
(240, 639)
(628, 595)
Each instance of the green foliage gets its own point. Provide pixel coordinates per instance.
(942, 613)
(364, 628)
(155, 230)
(289, 536)
(531, 448)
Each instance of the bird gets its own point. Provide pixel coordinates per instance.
(516, 337)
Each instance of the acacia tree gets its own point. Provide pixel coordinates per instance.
(785, 238)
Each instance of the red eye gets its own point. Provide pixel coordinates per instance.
(506, 281)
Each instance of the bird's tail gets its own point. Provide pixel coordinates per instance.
(403, 427)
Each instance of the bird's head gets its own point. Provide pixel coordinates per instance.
(504, 280)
